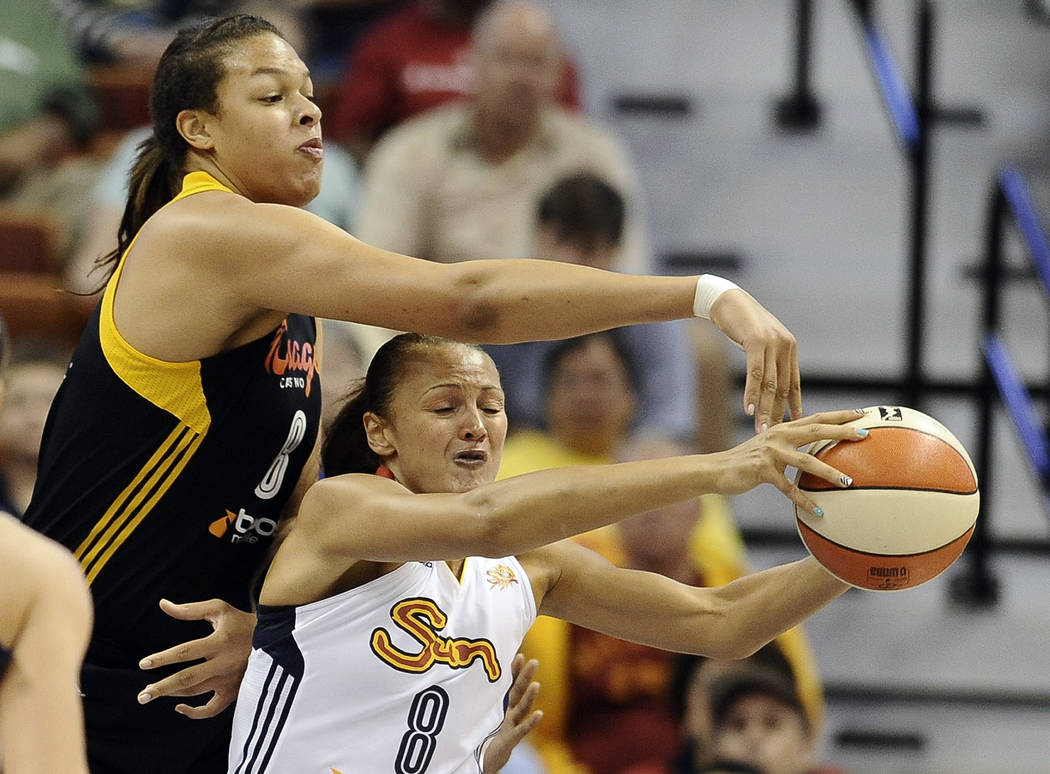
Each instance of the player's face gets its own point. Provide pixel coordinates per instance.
(447, 422)
(267, 134)
(761, 730)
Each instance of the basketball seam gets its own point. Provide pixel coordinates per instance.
(886, 488)
(852, 550)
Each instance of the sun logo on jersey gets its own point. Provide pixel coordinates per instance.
(501, 577)
(423, 619)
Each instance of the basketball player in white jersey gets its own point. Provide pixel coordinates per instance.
(391, 615)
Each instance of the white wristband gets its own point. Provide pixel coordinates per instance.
(708, 289)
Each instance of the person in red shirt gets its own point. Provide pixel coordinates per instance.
(417, 58)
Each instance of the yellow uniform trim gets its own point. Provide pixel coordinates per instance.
(174, 387)
(130, 508)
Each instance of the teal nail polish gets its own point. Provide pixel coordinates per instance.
(862, 432)
(818, 511)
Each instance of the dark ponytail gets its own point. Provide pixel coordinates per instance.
(345, 448)
(187, 78)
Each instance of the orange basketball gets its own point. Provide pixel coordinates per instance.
(910, 511)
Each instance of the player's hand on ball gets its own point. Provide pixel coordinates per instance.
(765, 457)
(520, 718)
(225, 652)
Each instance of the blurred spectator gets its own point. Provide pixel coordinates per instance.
(31, 381)
(725, 767)
(580, 220)
(464, 180)
(342, 361)
(604, 700)
(415, 59)
(718, 729)
(590, 396)
(333, 29)
(757, 718)
(136, 32)
(47, 117)
(340, 194)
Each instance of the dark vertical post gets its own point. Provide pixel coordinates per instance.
(919, 158)
(799, 110)
(978, 587)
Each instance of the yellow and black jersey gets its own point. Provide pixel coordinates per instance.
(167, 480)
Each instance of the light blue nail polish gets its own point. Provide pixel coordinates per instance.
(862, 432)
(818, 511)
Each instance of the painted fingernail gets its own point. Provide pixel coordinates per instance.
(145, 664)
(750, 409)
(764, 426)
(846, 480)
(818, 511)
(145, 698)
(862, 432)
(859, 411)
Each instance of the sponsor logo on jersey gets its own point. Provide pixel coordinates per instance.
(423, 619)
(501, 577)
(292, 361)
(246, 528)
(891, 414)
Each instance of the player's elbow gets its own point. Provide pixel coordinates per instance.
(491, 530)
(730, 634)
(480, 304)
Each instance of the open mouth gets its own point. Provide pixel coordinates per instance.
(471, 456)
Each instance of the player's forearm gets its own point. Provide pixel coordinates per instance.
(758, 607)
(507, 301)
(524, 512)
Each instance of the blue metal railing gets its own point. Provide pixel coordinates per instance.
(999, 381)
(1018, 403)
(894, 90)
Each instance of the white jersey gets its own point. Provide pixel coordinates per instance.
(406, 674)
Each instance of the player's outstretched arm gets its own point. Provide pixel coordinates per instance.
(363, 517)
(731, 621)
(315, 268)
